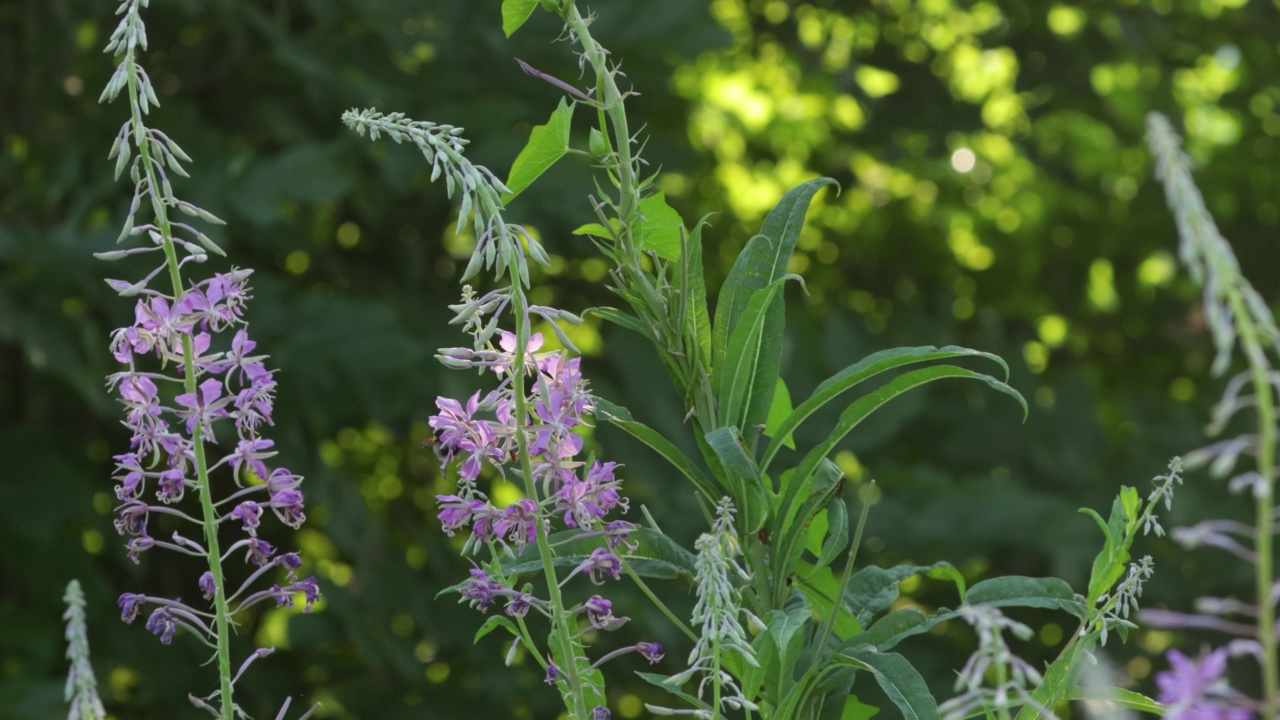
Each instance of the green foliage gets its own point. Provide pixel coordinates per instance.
(547, 144)
(352, 254)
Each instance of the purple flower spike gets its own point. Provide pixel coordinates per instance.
(553, 673)
(260, 552)
(129, 604)
(203, 407)
(518, 523)
(249, 513)
(1197, 689)
(601, 561)
(456, 512)
(310, 590)
(162, 623)
(480, 590)
(206, 585)
(136, 546)
(650, 650)
(599, 611)
(518, 605)
(601, 713)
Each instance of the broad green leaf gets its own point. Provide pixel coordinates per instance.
(864, 369)
(547, 144)
(746, 484)
(649, 552)
(783, 629)
(899, 625)
(898, 678)
(1020, 591)
(661, 228)
(780, 409)
(873, 589)
(820, 587)
(621, 418)
(494, 622)
(748, 374)
(763, 261)
(515, 13)
(858, 411)
(697, 320)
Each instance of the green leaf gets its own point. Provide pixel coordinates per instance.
(873, 589)
(697, 319)
(783, 628)
(1110, 564)
(899, 625)
(661, 681)
(763, 261)
(859, 409)
(820, 587)
(855, 709)
(780, 409)
(898, 678)
(747, 376)
(1021, 591)
(1120, 697)
(621, 319)
(661, 228)
(592, 680)
(621, 418)
(547, 144)
(745, 482)
(837, 532)
(596, 229)
(649, 552)
(494, 622)
(515, 13)
(864, 369)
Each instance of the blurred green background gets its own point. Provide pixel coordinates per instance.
(996, 194)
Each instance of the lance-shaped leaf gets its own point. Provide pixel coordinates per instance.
(864, 369)
(763, 261)
(620, 417)
(861, 408)
(697, 321)
(747, 377)
(898, 678)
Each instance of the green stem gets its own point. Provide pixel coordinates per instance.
(626, 566)
(559, 620)
(1263, 541)
(210, 516)
(838, 602)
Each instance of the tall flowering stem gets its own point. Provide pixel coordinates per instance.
(1235, 313)
(174, 420)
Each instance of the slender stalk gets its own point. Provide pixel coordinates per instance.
(559, 621)
(210, 517)
(631, 573)
(828, 624)
(1263, 537)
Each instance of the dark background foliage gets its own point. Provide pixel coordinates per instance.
(996, 194)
